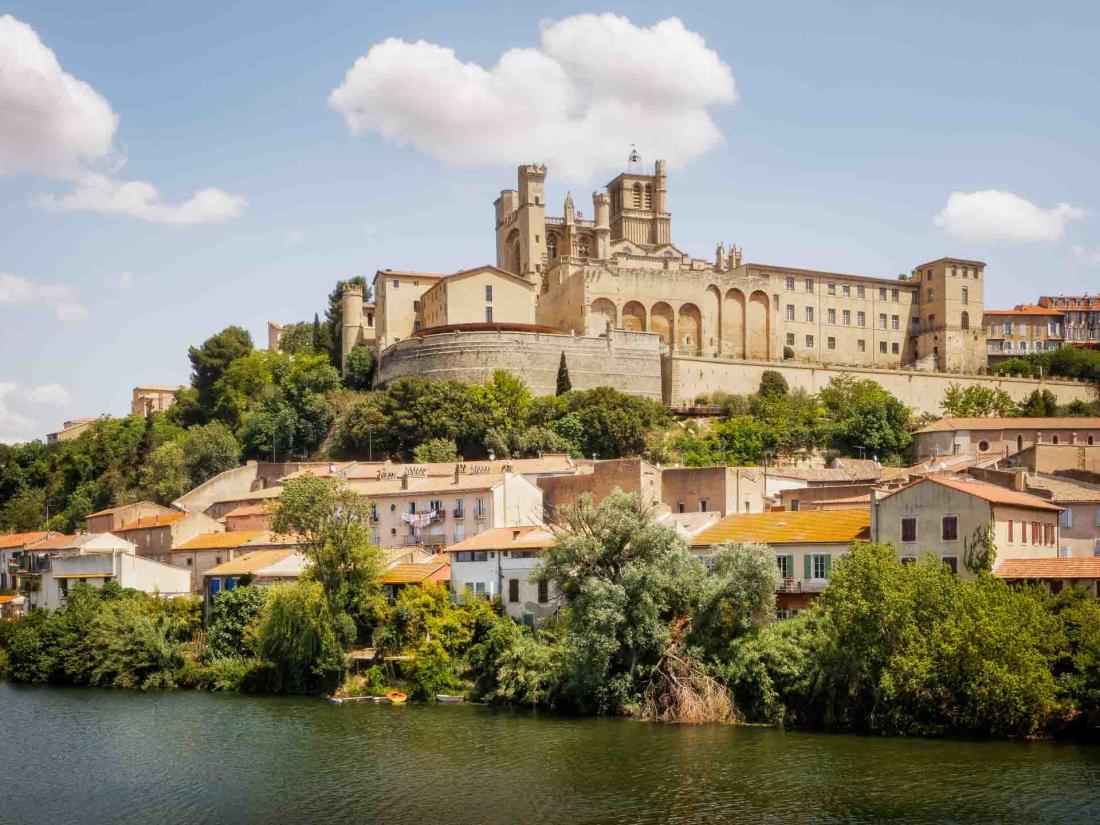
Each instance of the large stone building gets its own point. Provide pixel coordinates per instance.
(630, 308)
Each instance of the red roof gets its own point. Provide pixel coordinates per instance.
(144, 522)
(1080, 568)
(11, 540)
(992, 493)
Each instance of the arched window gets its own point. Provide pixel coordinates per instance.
(1090, 440)
(1054, 439)
(582, 247)
(517, 259)
(966, 320)
(551, 246)
(637, 196)
(648, 196)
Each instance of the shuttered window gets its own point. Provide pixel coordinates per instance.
(909, 528)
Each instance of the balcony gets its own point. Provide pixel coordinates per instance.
(459, 513)
(796, 585)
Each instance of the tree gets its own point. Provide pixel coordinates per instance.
(436, 449)
(318, 342)
(296, 337)
(210, 361)
(166, 477)
(359, 370)
(1039, 404)
(210, 449)
(234, 615)
(976, 401)
(773, 384)
(564, 385)
(867, 416)
(299, 639)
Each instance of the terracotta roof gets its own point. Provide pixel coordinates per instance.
(11, 540)
(234, 538)
(159, 520)
(110, 510)
(948, 424)
(438, 569)
(528, 537)
(992, 493)
(1029, 309)
(860, 473)
(55, 542)
(10, 598)
(1071, 568)
(249, 510)
(1065, 489)
(783, 527)
(253, 562)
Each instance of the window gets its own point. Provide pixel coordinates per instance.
(894, 295)
(952, 562)
(983, 446)
(1098, 516)
(810, 314)
(1065, 518)
(894, 348)
(831, 288)
(790, 312)
(513, 590)
(1048, 533)
(861, 345)
(819, 566)
(861, 292)
(895, 322)
(488, 315)
(1010, 531)
(1036, 533)
(785, 565)
(795, 504)
(882, 294)
(488, 293)
(416, 306)
(680, 507)
(846, 317)
(966, 295)
(790, 284)
(479, 507)
(916, 326)
(861, 319)
(396, 283)
(1023, 532)
(790, 339)
(702, 505)
(950, 531)
(544, 591)
(809, 284)
(909, 528)
(809, 341)
(830, 342)
(929, 294)
(907, 560)
(830, 316)
(846, 290)
(882, 320)
(931, 322)
(882, 347)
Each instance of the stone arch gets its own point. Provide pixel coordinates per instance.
(600, 314)
(711, 330)
(637, 196)
(661, 321)
(758, 326)
(513, 252)
(966, 320)
(634, 317)
(733, 323)
(552, 243)
(689, 327)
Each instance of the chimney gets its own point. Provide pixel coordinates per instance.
(405, 481)
(458, 472)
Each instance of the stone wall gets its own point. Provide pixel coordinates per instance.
(688, 377)
(627, 361)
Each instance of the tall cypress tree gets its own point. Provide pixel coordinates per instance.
(317, 346)
(564, 384)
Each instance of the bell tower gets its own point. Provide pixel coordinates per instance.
(521, 223)
(639, 204)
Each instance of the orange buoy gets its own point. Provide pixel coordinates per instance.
(397, 697)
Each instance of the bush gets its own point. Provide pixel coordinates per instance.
(298, 642)
(234, 620)
(432, 672)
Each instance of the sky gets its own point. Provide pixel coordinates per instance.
(167, 170)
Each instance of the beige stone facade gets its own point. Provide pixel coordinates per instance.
(1022, 331)
(151, 399)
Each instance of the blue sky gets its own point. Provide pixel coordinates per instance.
(853, 124)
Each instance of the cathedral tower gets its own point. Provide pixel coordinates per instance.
(521, 223)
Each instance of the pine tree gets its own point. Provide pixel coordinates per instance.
(564, 384)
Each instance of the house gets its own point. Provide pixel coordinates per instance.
(201, 553)
(262, 568)
(70, 430)
(947, 515)
(805, 544)
(600, 479)
(827, 497)
(157, 534)
(1079, 521)
(499, 562)
(249, 517)
(12, 605)
(1001, 436)
(96, 567)
(1056, 574)
(436, 570)
(1057, 458)
(12, 548)
(111, 519)
(39, 559)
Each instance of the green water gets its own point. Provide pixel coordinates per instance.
(75, 755)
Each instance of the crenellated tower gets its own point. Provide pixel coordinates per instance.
(521, 223)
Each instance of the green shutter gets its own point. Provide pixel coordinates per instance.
(806, 562)
(828, 564)
(790, 566)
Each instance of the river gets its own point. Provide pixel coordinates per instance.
(80, 755)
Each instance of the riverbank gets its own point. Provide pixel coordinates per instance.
(86, 755)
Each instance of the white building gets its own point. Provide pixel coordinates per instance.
(499, 562)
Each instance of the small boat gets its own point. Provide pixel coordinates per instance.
(397, 697)
(449, 698)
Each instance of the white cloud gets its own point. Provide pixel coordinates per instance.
(123, 282)
(18, 291)
(990, 215)
(57, 125)
(15, 426)
(597, 84)
(138, 199)
(1085, 256)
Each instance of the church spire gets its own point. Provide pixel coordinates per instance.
(570, 215)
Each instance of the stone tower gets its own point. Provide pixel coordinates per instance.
(947, 320)
(352, 330)
(639, 206)
(521, 223)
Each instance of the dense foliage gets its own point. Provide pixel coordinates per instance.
(1066, 362)
(978, 401)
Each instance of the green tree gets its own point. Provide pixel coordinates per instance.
(296, 337)
(773, 384)
(436, 449)
(210, 449)
(234, 616)
(1039, 404)
(334, 316)
(166, 476)
(209, 363)
(299, 639)
(564, 385)
(976, 401)
(865, 415)
(359, 370)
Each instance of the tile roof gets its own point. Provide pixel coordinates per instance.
(57, 542)
(992, 493)
(235, 538)
(785, 527)
(418, 573)
(529, 537)
(948, 424)
(11, 540)
(159, 520)
(1065, 490)
(249, 510)
(1071, 568)
(1028, 309)
(254, 562)
(110, 510)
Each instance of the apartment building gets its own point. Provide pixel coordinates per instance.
(500, 562)
(1022, 331)
(1001, 436)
